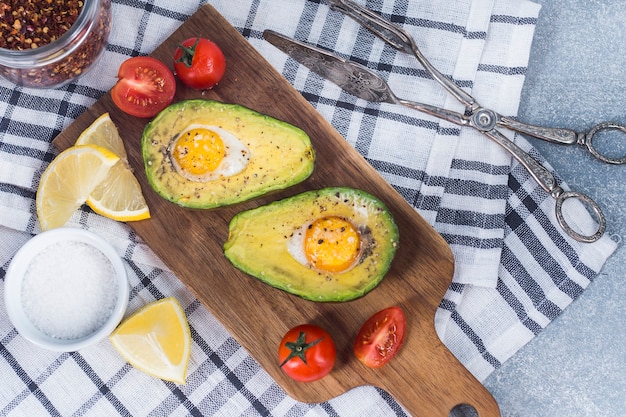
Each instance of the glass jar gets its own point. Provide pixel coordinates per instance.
(64, 59)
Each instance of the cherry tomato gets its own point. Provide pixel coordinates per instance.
(380, 337)
(199, 63)
(145, 86)
(307, 353)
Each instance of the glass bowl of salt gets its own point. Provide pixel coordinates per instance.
(66, 289)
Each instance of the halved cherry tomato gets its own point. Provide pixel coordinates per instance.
(199, 63)
(307, 353)
(145, 86)
(380, 337)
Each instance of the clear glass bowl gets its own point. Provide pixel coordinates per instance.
(63, 60)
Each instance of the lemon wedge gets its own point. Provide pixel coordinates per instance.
(156, 340)
(69, 180)
(119, 195)
(103, 132)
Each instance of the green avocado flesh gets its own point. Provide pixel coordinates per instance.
(280, 155)
(258, 243)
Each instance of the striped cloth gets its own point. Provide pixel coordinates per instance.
(515, 269)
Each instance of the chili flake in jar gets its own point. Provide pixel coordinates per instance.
(48, 43)
(26, 24)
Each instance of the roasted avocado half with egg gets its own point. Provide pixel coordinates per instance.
(205, 154)
(332, 244)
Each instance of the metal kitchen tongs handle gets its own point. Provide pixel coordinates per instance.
(485, 120)
(399, 39)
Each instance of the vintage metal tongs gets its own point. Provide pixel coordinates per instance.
(485, 118)
(363, 83)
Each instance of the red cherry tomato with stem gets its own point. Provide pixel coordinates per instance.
(199, 63)
(145, 86)
(380, 337)
(307, 353)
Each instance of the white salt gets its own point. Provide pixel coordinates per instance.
(69, 290)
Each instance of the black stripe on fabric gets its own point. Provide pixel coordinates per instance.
(544, 258)
(13, 189)
(391, 402)
(513, 20)
(216, 359)
(409, 194)
(470, 333)
(480, 35)
(75, 110)
(532, 288)
(548, 227)
(182, 399)
(427, 23)
(102, 388)
(141, 29)
(64, 107)
(426, 202)
(153, 9)
(472, 188)
(21, 99)
(228, 349)
(328, 408)
(122, 50)
(472, 241)
(501, 69)
(17, 369)
(465, 165)
(274, 395)
(516, 305)
(391, 168)
(252, 399)
(145, 281)
(32, 388)
(470, 218)
(28, 130)
(252, 11)
(457, 287)
(365, 135)
(516, 221)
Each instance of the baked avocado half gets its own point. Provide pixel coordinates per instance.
(204, 154)
(332, 244)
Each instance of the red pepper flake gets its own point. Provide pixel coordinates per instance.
(28, 24)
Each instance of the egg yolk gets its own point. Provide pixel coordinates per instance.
(199, 151)
(332, 244)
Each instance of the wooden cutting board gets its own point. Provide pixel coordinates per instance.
(425, 377)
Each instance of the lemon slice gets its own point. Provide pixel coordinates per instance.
(69, 180)
(119, 196)
(103, 132)
(156, 340)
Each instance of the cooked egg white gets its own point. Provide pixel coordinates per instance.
(329, 244)
(205, 153)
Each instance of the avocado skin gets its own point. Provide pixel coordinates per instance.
(281, 155)
(257, 243)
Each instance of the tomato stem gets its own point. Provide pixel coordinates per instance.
(188, 53)
(298, 348)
